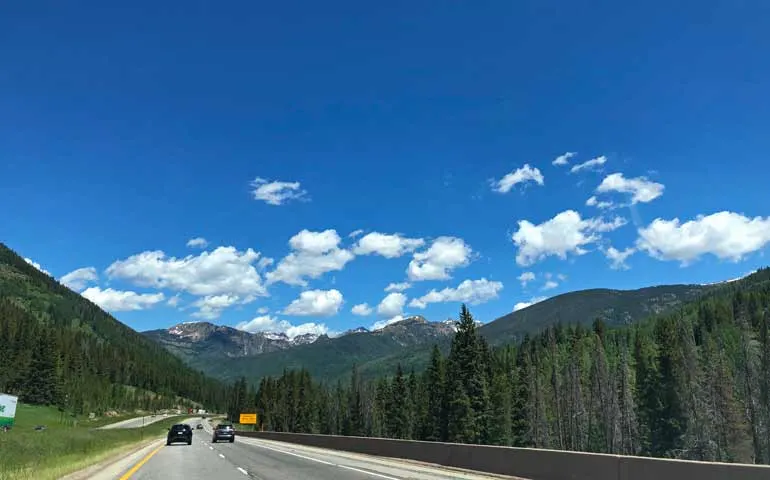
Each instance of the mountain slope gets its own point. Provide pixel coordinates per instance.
(59, 348)
(615, 307)
(332, 358)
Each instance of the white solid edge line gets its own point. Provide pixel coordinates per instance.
(294, 454)
(368, 473)
(243, 471)
(221, 456)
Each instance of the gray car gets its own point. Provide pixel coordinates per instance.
(224, 431)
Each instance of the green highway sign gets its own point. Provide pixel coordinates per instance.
(7, 409)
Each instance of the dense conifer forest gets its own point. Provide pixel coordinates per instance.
(692, 384)
(57, 348)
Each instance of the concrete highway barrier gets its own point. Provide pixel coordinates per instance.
(532, 463)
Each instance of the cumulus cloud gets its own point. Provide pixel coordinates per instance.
(595, 202)
(593, 164)
(641, 189)
(197, 242)
(392, 305)
(565, 233)
(726, 235)
(37, 265)
(262, 310)
(386, 245)
(271, 324)
(436, 263)
(398, 287)
(550, 285)
(77, 279)
(532, 301)
(525, 278)
(563, 159)
(313, 254)
(276, 192)
(618, 258)
(223, 271)
(355, 233)
(469, 291)
(122, 301)
(362, 310)
(211, 306)
(521, 175)
(318, 303)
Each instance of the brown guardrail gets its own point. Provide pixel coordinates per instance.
(535, 464)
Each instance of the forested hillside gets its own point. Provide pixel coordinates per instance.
(57, 348)
(690, 384)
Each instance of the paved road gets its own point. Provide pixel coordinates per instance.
(266, 460)
(136, 422)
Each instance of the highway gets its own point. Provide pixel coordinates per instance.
(266, 460)
(135, 422)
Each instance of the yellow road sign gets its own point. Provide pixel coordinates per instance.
(248, 419)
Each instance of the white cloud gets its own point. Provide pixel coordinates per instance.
(314, 253)
(550, 285)
(77, 279)
(37, 265)
(520, 175)
(563, 159)
(174, 301)
(267, 323)
(211, 306)
(355, 233)
(726, 235)
(122, 301)
(469, 291)
(276, 193)
(531, 302)
(436, 263)
(262, 310)
(563, 234)
(641, 189)
(319, 303)
(265, 262)
(362, 310)
(197, 242)
(222, 271)
(387, 245)
(525, 278)
(593, 164)
(392, 305)
(398, 287)
(594, 202)
(618, 257)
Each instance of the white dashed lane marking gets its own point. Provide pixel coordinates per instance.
(221, 456)
(243, 471)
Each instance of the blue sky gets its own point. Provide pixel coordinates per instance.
(127, 131)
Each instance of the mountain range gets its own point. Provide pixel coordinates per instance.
(228, 353)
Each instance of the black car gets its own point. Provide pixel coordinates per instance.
(224, 431)
(179, 433)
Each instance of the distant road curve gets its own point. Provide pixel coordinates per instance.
(136, 422)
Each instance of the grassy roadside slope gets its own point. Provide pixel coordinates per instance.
(61, 449)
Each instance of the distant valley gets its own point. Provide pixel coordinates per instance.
(228, 353)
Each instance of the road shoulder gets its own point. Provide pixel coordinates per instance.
(117, 462)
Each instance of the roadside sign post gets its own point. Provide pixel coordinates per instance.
(248, 419)
(7, 410)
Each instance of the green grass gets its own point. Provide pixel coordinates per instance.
(65, 446)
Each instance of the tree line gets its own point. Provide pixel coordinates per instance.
(693, 384)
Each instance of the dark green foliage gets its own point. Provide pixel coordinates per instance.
(688, 384)
(57, 348)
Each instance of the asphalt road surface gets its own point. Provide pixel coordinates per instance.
(265, 460)
(136, 422)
